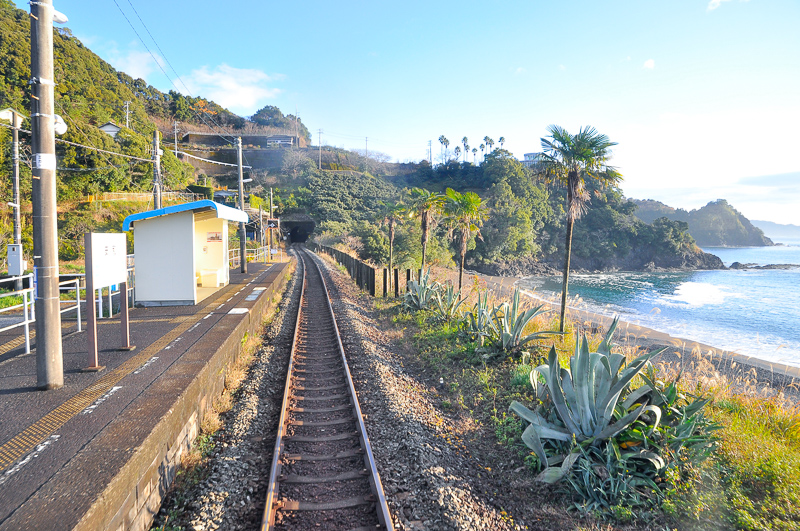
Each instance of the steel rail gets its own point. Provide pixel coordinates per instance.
(273, 504)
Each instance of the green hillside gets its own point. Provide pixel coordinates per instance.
(717, 224)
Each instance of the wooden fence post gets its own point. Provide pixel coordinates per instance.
(397, 282)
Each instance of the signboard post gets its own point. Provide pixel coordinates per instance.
(272, 224)
(106, 265)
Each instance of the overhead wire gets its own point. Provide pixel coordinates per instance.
(158, 63)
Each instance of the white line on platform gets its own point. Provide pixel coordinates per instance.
(146, 365)
(33, 455)
(102, 399)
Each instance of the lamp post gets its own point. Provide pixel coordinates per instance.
(16, 122)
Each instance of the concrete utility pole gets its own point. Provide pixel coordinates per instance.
(319, 141)
(270, 229)
(156, 172)
(175, 131)
(366, 147)
(261, 227)
(49, 355)
(127, 114)
(242, 233)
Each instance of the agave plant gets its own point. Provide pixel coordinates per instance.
(478, 323)
(448, 303)
(420, 295)
(585, 402)
(510, 322)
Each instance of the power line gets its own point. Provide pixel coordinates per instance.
(62, 141)
(197, 114)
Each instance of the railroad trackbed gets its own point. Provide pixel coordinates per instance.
(323, 473)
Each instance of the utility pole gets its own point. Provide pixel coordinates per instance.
(175, 131)
(261, 227)
(156, 172)
(319, 141)
(242, 233)
(127, 113)
(430, 153)
(366, 147)
(296, 134)
(49, 354)
(270, 229)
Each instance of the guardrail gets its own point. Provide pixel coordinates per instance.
(187, 197)
(28, 305)
(76, 284)
(259, 254)
(28, 310)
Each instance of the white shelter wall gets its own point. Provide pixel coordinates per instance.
(164, 249)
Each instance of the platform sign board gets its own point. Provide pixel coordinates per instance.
(109, 259)
(273, 223)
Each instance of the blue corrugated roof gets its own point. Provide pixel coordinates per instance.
(224, 212)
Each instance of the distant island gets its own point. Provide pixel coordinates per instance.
(717, 224)
(779, 232)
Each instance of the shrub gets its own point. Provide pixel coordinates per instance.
(420, 295)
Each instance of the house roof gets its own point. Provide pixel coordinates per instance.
(112, 124)
(206, 205)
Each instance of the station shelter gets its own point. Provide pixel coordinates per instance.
(181, 252)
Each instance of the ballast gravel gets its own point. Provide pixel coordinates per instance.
(434, 473)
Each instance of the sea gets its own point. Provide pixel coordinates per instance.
(752, 312)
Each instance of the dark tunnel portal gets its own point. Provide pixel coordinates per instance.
(298, 235)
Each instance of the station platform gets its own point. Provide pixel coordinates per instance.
(100, 452)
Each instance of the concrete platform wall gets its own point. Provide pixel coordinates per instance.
(134, 495)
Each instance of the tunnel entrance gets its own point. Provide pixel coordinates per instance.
(297, 227)
(298, 235)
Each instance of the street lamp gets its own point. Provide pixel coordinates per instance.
(15, 118)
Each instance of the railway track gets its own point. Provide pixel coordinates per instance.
(323, 474)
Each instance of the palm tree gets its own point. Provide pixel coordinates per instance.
(464, 215)
(391, 214)
(425, 205)
(571, 159)
(466, 147)
(444, 142)
(474, 154)
(489, 143)
(502, 141)
(483, 146)
(457, 151)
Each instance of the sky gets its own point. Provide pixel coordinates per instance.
(701, 96)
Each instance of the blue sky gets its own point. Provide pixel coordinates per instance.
(701, 95)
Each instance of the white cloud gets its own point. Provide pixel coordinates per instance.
(562, 67)
(649, 64)
(133, 61)
(241, 90)
(519, 70)
(713, 4)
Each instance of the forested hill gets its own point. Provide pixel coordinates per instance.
(717, 224)
(90, 92)
(524, 231)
